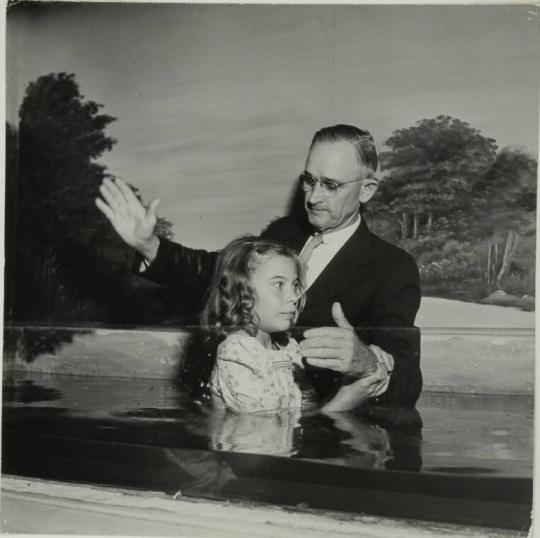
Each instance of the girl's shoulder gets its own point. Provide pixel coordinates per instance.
(239, 341)
(244, 350)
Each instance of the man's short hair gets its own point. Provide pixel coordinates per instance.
(359, 138)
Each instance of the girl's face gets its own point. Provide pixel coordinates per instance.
(277, 292)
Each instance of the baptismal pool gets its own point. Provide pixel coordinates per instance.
(458, 458)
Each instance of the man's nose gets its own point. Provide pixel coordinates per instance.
(317, 194)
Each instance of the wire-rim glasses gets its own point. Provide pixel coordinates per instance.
(329, 187)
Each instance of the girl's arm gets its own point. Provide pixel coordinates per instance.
(353, 394)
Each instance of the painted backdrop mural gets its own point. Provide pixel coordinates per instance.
(212, 108)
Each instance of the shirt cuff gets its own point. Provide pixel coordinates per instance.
(385, 367)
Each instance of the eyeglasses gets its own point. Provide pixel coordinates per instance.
(329, 187)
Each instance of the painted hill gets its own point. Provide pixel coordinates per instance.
(447, 313)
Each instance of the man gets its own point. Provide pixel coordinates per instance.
(354, 279)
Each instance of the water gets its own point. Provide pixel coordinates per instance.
(457, 458)
(450, 433)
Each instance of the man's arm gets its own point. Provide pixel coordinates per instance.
(167, 263)
(392, 328)
(185, 269)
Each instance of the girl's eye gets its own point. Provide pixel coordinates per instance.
(278, 285)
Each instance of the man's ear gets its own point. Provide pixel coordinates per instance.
(368, 189)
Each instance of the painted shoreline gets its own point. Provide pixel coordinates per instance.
(447, 314)
(466, 347)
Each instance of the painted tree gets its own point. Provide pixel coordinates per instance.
(67, 262)
(505, 206)
(430, 169)
(60, 136)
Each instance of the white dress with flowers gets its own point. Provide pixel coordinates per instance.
(248, 377)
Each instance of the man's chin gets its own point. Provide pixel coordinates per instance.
(317, 219)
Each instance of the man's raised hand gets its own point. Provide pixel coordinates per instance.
(132, 221)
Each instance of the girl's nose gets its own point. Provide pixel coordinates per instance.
(295, 296)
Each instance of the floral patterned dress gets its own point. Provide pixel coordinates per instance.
(249, 378)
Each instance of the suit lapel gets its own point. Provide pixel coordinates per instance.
(343, 267)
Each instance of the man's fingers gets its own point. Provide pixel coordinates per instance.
(332, 332)
(127, 192)
(152, 208)
(322, 353)
(112, 195)
(321, 341)
(105, 209)
(324, 363)
(108, 197)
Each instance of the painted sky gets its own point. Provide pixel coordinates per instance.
(216, 104)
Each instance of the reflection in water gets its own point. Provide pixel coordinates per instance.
(27, 391)
(173, 419)
(475, 434)
(272, 434)
(204, 472)
(142, 434)
(342, 438)
(30, 342)
(370, 439)
(345, 439)
(357, 440)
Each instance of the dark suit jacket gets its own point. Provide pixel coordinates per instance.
(376, 283)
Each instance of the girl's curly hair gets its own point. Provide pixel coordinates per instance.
(231, 299)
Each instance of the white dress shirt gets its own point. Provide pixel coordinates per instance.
(323, 254)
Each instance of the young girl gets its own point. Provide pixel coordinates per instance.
(255, 297)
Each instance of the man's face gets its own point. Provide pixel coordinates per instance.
(336, 161)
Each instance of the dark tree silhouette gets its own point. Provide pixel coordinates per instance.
(60, 136)
(12, 165)
(66, 263)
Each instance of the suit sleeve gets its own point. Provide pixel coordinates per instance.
(392, 328)
(185, 269)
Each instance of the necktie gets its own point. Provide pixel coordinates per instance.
(313, 243)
